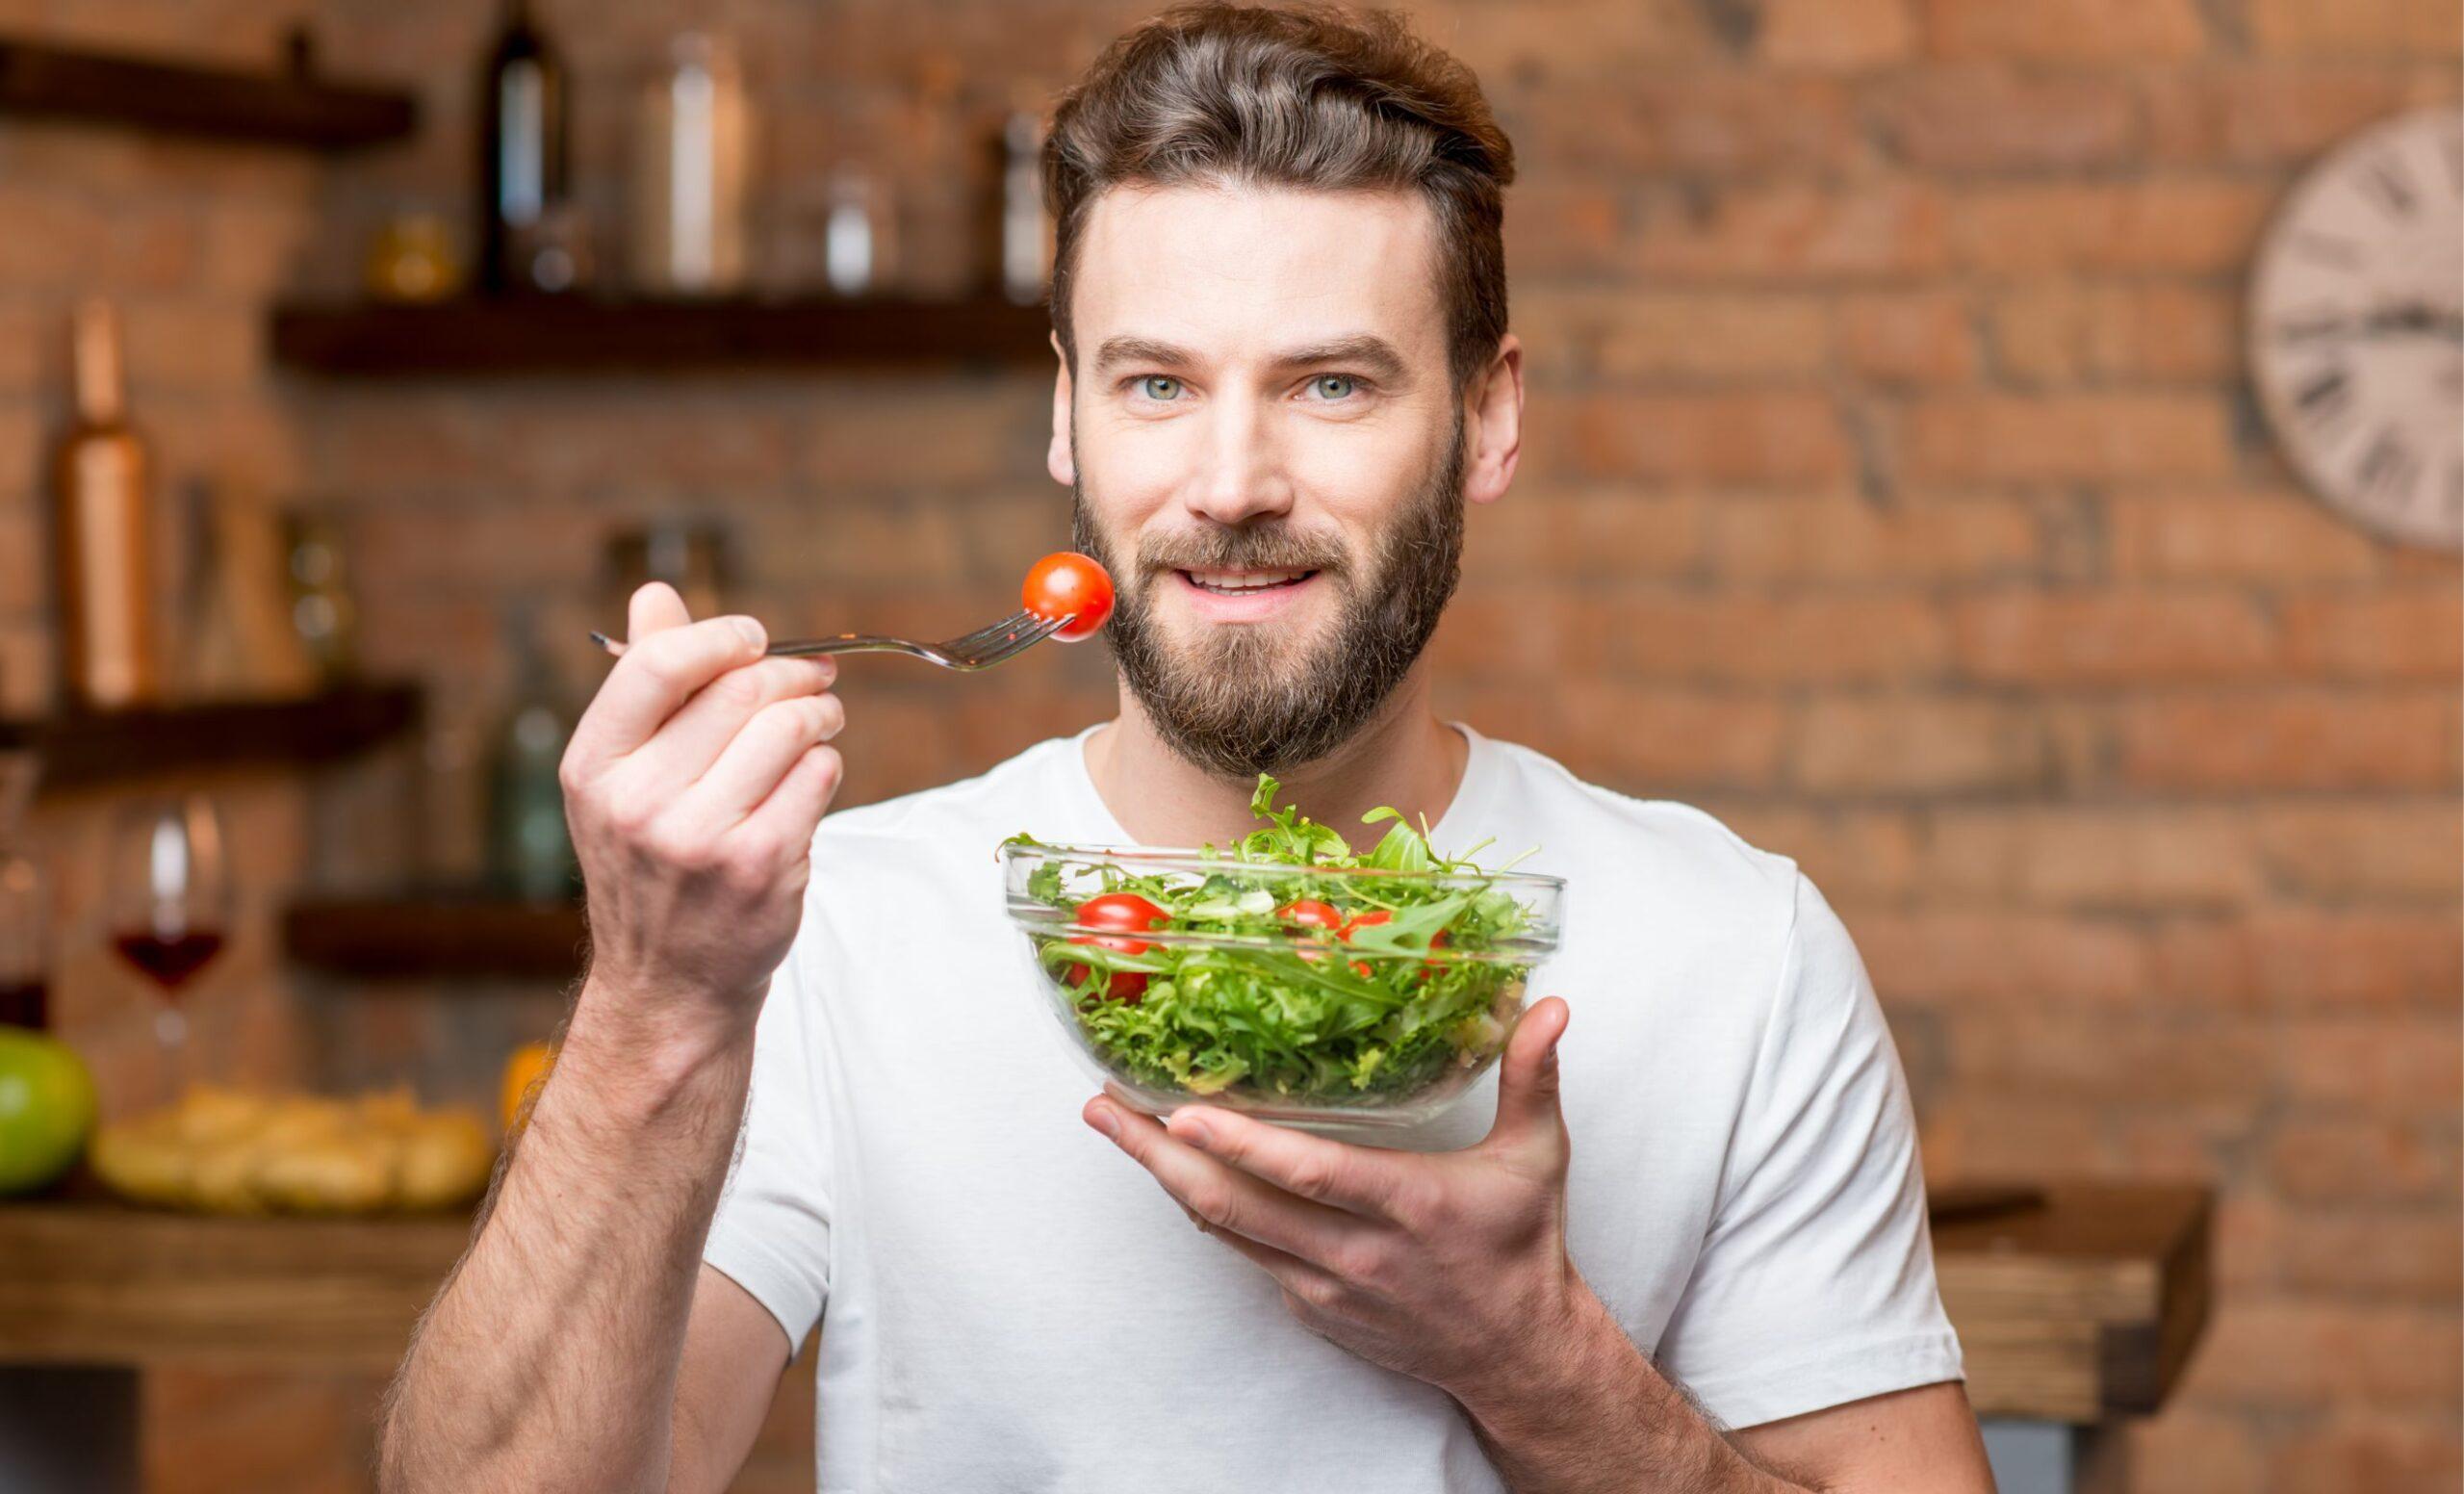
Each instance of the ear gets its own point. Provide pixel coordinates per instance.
(1059, 458)
(1495, 421)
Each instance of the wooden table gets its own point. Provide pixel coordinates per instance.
(2076, 1311)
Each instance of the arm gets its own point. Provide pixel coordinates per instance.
(550, 1359)
(1597, 1413)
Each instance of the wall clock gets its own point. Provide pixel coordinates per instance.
(2357, 327)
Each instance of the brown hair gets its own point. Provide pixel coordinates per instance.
(1312, 97)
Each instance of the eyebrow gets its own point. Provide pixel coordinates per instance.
(1372, 353)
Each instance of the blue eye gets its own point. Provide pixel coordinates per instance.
(1334, 386)
(1162, 388)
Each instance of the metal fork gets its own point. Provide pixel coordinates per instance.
(982, 649)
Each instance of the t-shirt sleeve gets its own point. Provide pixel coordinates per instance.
(1814, 1286)
(771, 1233)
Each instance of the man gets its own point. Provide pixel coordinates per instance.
(1279, 309)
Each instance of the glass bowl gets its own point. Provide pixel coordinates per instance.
(1295, 993)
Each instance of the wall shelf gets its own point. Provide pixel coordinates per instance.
(38, 80)
(593, 334)
(82, 749)
(435, 934)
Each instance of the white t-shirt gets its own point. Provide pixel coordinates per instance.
(1013, 1304)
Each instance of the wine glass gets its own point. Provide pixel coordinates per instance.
(170, 899)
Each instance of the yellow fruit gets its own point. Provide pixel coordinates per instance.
(522, 1074)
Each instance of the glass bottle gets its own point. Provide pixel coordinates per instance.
(531, 855)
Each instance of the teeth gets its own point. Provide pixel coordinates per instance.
(1236, 581)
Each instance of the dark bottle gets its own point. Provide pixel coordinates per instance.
(24, 907)
(522, 143)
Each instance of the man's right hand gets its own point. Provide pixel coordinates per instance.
(693, 785)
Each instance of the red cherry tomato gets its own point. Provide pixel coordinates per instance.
(1378, 916)
(1308, 913)
(1369, 920)
(1068, 584)
(1129, 914)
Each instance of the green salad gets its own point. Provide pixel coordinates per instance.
(1277, 967)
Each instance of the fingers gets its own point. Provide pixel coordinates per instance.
(655, 678)
(654, 608)
(1528, 1115)
(691, 740)
(1225, 1199)
(750, 769)
(793, 810)
(1358, 1179)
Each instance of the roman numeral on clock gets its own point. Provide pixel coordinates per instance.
(2387, 467)
(2325, 398)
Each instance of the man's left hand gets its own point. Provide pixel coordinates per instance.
(1450, 1267)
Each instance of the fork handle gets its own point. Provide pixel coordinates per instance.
(800, 648)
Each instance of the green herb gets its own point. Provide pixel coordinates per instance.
(1418, 976)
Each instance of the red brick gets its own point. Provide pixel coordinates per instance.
(2371, 1448)
(2188, 1450)
(2256, 535)
(2291, 1353)
(1909, 337)
(1619, 534)
(2117, 1058)
(1713, 438)
(2398, 1254)
(1949, 956)
(1728, 637)
(859, 541)
(1644, 335)
(2087, 857)
(1692, 123)
(2377, 1161)
(2008, 437)
(2116, 333)
(1657, 742)
(2056, 638)
(1917, 744)
(2385, 1065)
(2189, 224)
(1564, 227)
(2272, 115)
(2236, 743)
(2385, 959)
(1837, 537)
(1509, 631)
(2407, 851)
(1845, 35)
(1984, 1134)
(1987, 118)
(2065, 30)
(1855, 856)
(911, 434)
(2415, 634)
(2356, 28)
(1792, 231)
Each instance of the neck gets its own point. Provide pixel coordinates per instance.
(1404, 757)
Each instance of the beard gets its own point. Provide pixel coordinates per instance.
(1243, 699)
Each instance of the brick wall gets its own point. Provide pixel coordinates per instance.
(1891, 490)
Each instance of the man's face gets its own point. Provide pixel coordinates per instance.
(1267, 451)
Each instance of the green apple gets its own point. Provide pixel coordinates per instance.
(46, 1109)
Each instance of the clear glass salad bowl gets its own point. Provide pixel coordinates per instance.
(1296, 993)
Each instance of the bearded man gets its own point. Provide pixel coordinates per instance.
(801, 1086)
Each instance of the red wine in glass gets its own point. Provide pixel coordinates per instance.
(171, 959)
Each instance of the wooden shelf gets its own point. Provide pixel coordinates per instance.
(435, 934)
(82, 749)
(42, 81)
(591, 334)
(2080, 1310)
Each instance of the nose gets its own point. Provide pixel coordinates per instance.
(1240, 476)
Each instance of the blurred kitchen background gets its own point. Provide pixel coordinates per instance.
(1905, 483)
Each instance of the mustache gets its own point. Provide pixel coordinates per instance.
(1274, 547)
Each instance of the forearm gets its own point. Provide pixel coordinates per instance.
(1594, 1417)
(549, 1361)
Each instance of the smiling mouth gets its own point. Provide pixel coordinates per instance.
(1244, 584)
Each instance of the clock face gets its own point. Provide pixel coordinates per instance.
(2356, 331)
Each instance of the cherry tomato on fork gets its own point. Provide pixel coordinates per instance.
(1068, 584)
(1128, 914)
